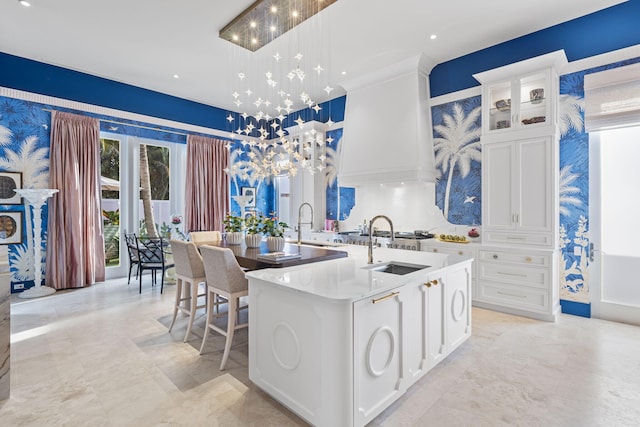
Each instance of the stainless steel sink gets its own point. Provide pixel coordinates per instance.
(395, 267)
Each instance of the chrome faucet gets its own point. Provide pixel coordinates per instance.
(370, 260)
(300, 220)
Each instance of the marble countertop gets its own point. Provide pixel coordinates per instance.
(351, 278)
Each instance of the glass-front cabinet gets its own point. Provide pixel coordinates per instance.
(518, 102)
(520, 96)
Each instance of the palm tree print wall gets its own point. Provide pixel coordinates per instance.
(457, 149)
(24, 147)
(574, 192)
(339, 200)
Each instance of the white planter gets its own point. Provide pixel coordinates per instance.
(253, 240)
(235, 237)
(275, 244)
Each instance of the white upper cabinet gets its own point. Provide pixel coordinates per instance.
(521, 96)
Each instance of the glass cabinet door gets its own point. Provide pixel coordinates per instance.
(500, 106)
(533, 99)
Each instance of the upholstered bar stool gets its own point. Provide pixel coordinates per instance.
(224, 278)
(189, 274)
(205, 237)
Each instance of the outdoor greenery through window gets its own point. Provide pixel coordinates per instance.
(110, 186)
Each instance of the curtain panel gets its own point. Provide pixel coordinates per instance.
(207, 186)
(75, 244)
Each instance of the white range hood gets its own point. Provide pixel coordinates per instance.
(387, 131)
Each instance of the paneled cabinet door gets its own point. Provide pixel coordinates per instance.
(518, 191)
(377, 352)
(436, 332)
(458, 306)
(415, 328)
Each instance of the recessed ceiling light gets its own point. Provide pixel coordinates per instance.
(235, 37)
(294, 13)
(433, 37)
(344, 73)
(176, 76)
(25, 3)
(254, 40)
(272, 28)
(274, 9)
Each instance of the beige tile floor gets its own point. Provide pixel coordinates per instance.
(102, 356)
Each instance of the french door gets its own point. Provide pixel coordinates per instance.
(614, 211)
(121, 202)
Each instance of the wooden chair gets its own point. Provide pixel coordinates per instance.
(205, 237)
(225, 278)
(133, 250)
(151, 252)
(189, 275)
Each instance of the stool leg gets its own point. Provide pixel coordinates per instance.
(212, 297)
(231, 327)
(193, 303)
(175, 306)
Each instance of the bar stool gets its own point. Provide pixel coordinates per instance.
(189, 274)
(224, 278)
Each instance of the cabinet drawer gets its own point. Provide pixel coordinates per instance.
(449, 251)
(525, 259)
(536, 277)
(514, 296)
(515, 238)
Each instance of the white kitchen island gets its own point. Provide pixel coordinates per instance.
(338, 341)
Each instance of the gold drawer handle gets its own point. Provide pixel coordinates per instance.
(460, 252)
(528, 259)
(435, 249)
(515, 238)
(391, 295)
(433, 282)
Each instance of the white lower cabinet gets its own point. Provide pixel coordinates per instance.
(518, 282)
(400, 335)
(378, 350)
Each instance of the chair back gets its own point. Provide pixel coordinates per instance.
(205, 237)
(132, 246)
(222, 269)
(151, 250)
(187, 259)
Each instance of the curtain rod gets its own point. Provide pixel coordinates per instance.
(131, 124)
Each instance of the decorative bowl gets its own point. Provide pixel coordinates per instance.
(502, 124)
(503, 104)
(536, 95)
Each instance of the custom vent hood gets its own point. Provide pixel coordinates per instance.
(387, 130)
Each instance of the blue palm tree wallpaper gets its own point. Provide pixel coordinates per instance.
(456, 133)
(574, 192)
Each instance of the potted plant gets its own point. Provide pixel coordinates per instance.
(253, 225)
(274, 230)
(233, 227)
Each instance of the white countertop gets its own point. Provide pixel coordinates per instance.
(349, 278)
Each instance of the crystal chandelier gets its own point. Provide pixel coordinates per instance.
(277, 117)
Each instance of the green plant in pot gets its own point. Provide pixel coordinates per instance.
(254, 225)
(274, 230)
(233, 226)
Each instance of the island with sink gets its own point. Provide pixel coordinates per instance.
(338, 341)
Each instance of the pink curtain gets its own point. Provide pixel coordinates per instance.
(207, 187)
(75, 242)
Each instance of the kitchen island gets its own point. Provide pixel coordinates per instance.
(338, 341)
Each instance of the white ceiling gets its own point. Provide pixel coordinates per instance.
(145, 42)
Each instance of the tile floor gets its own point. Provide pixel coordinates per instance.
(102, 356)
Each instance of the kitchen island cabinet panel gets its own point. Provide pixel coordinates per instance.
(338, 341)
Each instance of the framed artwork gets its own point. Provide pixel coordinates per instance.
(10, 227)
(251, 192)
(9, 182)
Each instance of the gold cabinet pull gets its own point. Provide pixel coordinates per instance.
(391, 295)
(428, 284)
(528, 259)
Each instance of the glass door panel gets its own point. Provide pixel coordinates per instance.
(533, 91)
(110, 188)
(500, 106)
